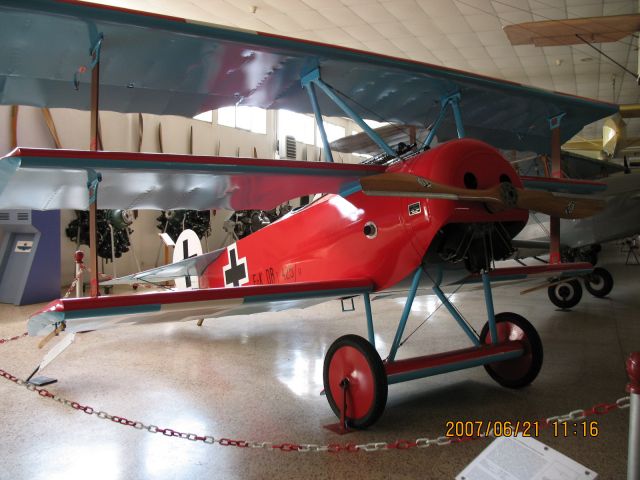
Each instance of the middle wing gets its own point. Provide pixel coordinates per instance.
(44, 179)
(93, 313)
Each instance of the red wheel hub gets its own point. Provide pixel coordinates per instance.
(348, 362)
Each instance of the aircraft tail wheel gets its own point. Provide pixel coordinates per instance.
(599, 282)
(565, 294)
(352, 358)
(516, 372)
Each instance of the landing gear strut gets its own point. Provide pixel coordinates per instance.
(356, 379)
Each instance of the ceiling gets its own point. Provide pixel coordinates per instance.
(462, 34)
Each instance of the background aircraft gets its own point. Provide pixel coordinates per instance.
(581, 239)
(408, 215)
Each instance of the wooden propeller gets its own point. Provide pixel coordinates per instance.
(501, 197)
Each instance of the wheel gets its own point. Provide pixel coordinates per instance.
(599, 282)
(352, 358)
(565, 294)
(516, 372)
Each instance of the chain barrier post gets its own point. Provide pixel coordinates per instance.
(79, 257)
(633, 387)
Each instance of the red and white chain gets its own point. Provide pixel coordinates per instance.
(575, 415)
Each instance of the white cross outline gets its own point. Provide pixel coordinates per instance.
(239, 261)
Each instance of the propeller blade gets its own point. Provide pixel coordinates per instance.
(502, 196)
(558, 206)
(408, 185)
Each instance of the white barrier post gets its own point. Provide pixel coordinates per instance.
(79, 257)
(633, 387)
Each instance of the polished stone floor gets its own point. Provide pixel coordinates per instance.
(258, 378)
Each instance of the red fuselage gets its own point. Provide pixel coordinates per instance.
(333, 237)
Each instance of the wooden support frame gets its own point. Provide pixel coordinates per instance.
(94, 143)
(556, 172)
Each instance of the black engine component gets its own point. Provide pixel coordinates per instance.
(246, 222)
(78, 231)
(475, 244)
(173, 222)
(581, 254)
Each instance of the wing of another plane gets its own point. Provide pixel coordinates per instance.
(167, 65)
(529, 271)
(563, 185)
(91, 313)
(44, 179)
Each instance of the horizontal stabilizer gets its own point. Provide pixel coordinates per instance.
(193, 266)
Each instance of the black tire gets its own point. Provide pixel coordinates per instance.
(516, 372)
(566, 294)
(599, 282)
(367, 392)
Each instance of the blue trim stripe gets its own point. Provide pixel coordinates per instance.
(228, 168)
(309, 294)
(350, 188)
(108, 312)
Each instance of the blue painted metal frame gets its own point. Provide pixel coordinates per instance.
(554, 122)
(93, 181)
(313, 77)
(405, 314)
(488, 299)
(94, 52)
(434, 129)
(310, 87)
(367, 309)
(456, 315)
(454, 101)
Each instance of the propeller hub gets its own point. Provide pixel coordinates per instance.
(508, 194)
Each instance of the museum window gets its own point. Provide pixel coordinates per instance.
(334, 132)
(253, 119)
(296, 125)
(205, 116)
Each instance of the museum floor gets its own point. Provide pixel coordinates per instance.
(258, 378)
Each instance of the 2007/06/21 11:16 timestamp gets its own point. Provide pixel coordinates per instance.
(470, 428)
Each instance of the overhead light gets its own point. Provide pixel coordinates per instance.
(586, 59)
(252, 8)
(559, 62)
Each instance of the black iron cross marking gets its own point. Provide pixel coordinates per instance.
(185, 255)
(236, 272)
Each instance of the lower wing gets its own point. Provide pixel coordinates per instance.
(83, 314)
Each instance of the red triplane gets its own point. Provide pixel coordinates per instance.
(416, 215)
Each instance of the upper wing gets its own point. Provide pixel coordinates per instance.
(166, 65)
(92, 313)
(50, 179)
